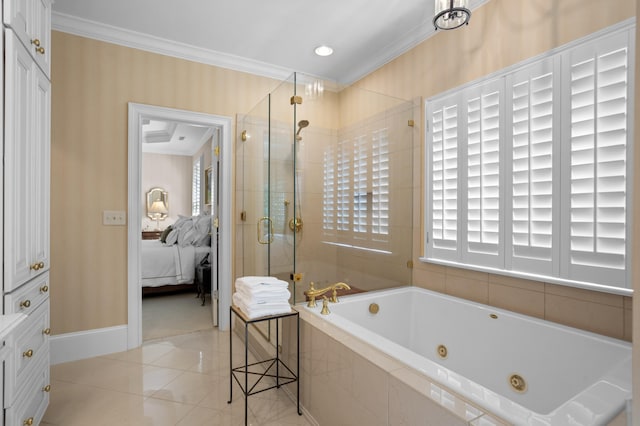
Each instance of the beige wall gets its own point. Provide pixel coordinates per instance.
(92, 82)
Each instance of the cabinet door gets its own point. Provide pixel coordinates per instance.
(18, 103)
(42, 33)
(40, 171)
(17, 15)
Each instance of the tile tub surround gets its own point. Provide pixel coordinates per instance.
(593, 311)
(340, 370)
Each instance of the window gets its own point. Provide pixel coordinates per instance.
(356, 190)
(196, 187)
(526, 172)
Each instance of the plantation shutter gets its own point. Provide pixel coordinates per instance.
(329, 192)
(380, 185)
(360, 162)
(344, 185)
(442, 169)
(484, 203)
(598, 137)
(531, 199)
(196, 186)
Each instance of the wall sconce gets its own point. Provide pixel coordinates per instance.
(157, 210)
(451, 14)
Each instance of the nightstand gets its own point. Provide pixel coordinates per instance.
(151, 235)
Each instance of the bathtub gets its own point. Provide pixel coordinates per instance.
(517, 368)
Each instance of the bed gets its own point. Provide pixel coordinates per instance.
(169, 264)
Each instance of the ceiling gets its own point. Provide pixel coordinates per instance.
(272, 38)
(173, 138)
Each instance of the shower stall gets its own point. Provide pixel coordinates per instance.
(325, 187)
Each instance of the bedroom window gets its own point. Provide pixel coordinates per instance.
(527, 172)
(196, 187)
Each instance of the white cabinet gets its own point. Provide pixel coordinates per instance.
(31, 22)
(27, 165)
(26, 101)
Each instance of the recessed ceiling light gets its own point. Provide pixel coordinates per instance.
(323, 50)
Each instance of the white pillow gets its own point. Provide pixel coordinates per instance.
(202, 224)
(182, 220)
(185, 237)
(172, 238)
(203, 240)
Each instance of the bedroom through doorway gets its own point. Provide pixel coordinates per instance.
(176, 176)
(177, 166)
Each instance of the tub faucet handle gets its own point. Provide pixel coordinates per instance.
(325, 306)
(311, 295)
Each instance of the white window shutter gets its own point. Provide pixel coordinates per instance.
(344, 185)
(380, 185)
(442, 178)
(329, 192)
(599, 120)
(484, 118)
(532, 99)
(360, 167)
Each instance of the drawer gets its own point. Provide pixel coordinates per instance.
(32, 399)
(30, 345)
(28, 297)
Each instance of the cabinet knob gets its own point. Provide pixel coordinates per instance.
(35, 266)
(46, 388)
(46, 331)
(28, 354)
(44, 289)
(40, 50)
(25, 303)
(41, 265)
(35, 42)
(28, 422)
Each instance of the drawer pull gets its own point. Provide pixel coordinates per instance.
(35, 266)
(46, 388)
(41, 264)
(40, 50)
(25, 303)
(28, 422)
(46, 331)
(35, 42)
(44, 289)
(28, 353)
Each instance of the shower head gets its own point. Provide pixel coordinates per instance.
(301, 125)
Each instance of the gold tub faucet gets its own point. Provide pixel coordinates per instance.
(312, 293)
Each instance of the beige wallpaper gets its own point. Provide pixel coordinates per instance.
(92, 84)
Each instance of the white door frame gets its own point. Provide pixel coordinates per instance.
(137, 112)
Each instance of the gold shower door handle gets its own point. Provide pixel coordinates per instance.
(265, 223)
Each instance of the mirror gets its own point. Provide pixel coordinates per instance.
(157, 204)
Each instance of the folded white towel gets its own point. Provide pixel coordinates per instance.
(257, 310)
(261, 285)
(259, 296)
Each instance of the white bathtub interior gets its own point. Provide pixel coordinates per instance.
(567, 371)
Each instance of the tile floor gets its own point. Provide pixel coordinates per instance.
(179, 380)
(173, 314)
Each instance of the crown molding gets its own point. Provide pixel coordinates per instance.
(111, 34)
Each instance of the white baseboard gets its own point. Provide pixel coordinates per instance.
(87, 344)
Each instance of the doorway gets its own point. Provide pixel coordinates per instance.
(220, 206)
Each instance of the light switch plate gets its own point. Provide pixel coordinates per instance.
(114, 217)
